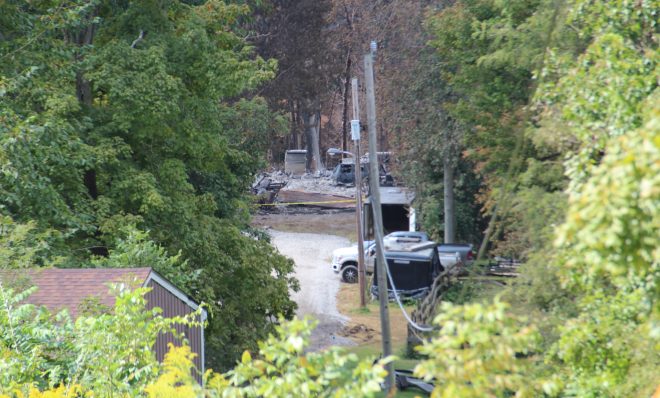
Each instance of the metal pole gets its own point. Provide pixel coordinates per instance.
(362, 275)
(374, 182)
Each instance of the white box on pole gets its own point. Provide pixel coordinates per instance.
(355, 130)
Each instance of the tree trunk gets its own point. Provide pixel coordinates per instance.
(344, 119)
(450, 210)
(293, 136)
(300, 127)
(311, 119)
(487, 234)
(85, 37)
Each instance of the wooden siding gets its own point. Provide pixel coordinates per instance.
(174, 306)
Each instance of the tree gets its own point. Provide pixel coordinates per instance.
(128, 113)
(584, 90)
(609, 243)
(480, 351)
(293, 33)
(487, 54)
(110, 353)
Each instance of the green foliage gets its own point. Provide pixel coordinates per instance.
(109, 354)
(120, 345)
(539, 286)
(598, 349)
(611, 233)
(601, 93)
(609, 248)
(460, 292)
(136, 250)
(480, 351)
(282, 370)
(29, 340)
(103, 127)
(488, 51)
(488, 55)
(21, 246)
(431, 136)
(594, 296)
(529, 225)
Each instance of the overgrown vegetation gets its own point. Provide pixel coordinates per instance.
(115, 119)
(558, 104)
(110, 354)
(118, 114)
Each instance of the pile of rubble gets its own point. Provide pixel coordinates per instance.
(309, 182)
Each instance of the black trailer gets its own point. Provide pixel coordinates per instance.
(412, 271)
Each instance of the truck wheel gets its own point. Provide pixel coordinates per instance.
(349, 274)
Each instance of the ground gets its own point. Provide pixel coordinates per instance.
(318, 283)
(309, 236)
(309, 220)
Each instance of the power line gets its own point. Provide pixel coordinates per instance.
(398, 300)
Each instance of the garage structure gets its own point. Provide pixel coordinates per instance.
(69, 289)
(398, 213)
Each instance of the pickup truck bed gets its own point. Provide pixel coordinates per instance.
(450, 254)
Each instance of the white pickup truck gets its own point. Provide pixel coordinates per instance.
(345, 259)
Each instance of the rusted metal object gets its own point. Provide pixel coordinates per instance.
(266, 189)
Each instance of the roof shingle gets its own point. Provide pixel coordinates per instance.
(68, 288)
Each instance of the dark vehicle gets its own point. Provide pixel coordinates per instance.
(412, 270)
(344, 173)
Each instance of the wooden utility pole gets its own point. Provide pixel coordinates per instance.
(450, 209)
(374, 188)
(362, 275)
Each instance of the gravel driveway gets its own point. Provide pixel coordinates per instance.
(317, 297)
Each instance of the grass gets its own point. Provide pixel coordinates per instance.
(348, 303)
(330, 222)
(372, 351)
(361, 311)
(475, 288)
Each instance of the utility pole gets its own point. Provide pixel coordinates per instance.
(374, 188)
(450, 209)
(355, 135)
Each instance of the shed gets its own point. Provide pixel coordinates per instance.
(59, 289)
(398, 213)
(295, 161)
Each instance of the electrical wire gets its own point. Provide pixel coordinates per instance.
(398, 300)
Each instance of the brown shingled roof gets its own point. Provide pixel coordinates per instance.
(67, 288)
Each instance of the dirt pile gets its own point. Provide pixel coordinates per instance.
(359, 333)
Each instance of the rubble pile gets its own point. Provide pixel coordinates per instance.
(309, 182)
